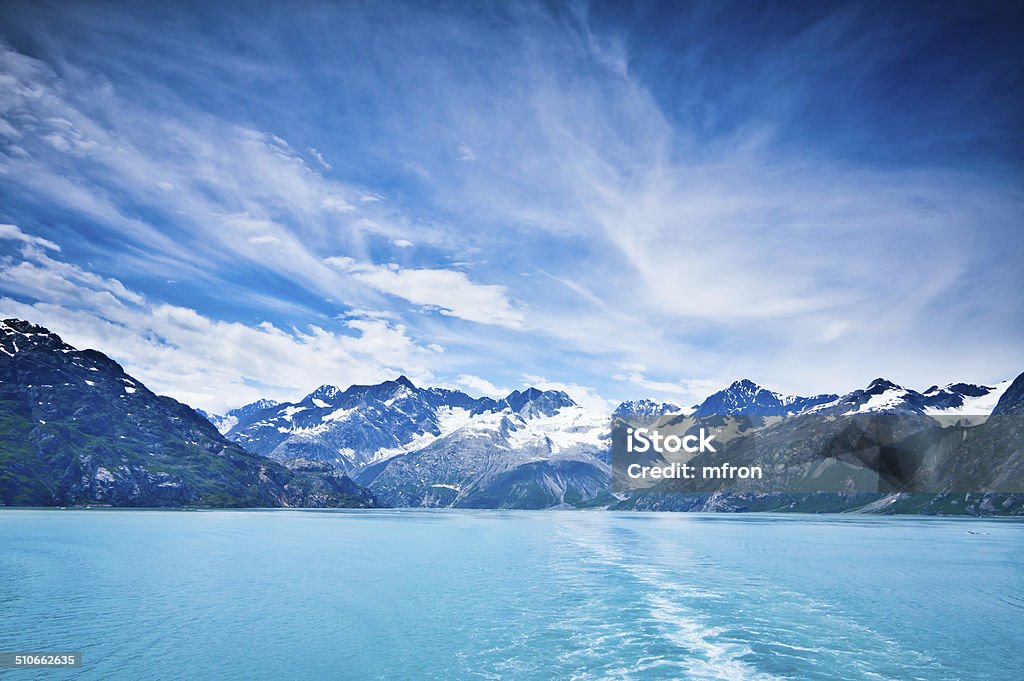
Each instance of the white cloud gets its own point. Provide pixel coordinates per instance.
(336, 204)
(263, 239)
(402, 243)
(319, 158)
(14, 233)
(205, 362)
(682, 253)
(480, 386)
(632, 366)
(690, 390)
(214, 173)
(36, 273)
(452, 292)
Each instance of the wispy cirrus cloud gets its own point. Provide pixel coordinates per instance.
(13, 232)
(203, 361)
(208, 183)
(689, 391)
(450, 291)
(543, 190)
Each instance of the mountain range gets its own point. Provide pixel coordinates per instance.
(439, 447)
(884, 448)
(76, 429)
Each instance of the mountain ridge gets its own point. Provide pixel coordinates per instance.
(75, 435)
(76, 429)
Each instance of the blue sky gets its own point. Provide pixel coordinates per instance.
(623, 200)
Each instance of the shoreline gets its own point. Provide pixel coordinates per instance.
(623, 512)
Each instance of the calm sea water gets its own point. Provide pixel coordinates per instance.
(488, 595)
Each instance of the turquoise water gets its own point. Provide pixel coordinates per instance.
(490, 594)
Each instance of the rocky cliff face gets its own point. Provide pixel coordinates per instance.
(76, 429)
(1012, 401)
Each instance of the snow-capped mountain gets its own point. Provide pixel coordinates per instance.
(392, 434)
(741, 408)
(78, 429)
(417, 446)
(963, 399)
(962, 403)
(747, 398)
(946, 450)
(354, 427)
(365, 429)
(535, 457)
(230, 420)
(645, 411)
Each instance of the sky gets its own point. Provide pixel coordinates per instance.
(621, 200)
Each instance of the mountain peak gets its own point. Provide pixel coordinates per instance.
(969, 389)
(21, 326)
(517, 399)
(231, 419)
(746, 397)
(745, 384)
(528, 393)
(404, 380)
(325, 392)
(647, 406)
(12, 329)
(880, 385)
(545, 401)
(646, 409)
(253, 407)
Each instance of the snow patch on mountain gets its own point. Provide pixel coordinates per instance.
(887, 400)
(648, 410)
(977, 402)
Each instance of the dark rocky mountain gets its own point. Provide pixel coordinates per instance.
(1012, 401)
(882, 449)
(76, 429)
(747, 398)
(349, 428)
(954, 400)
